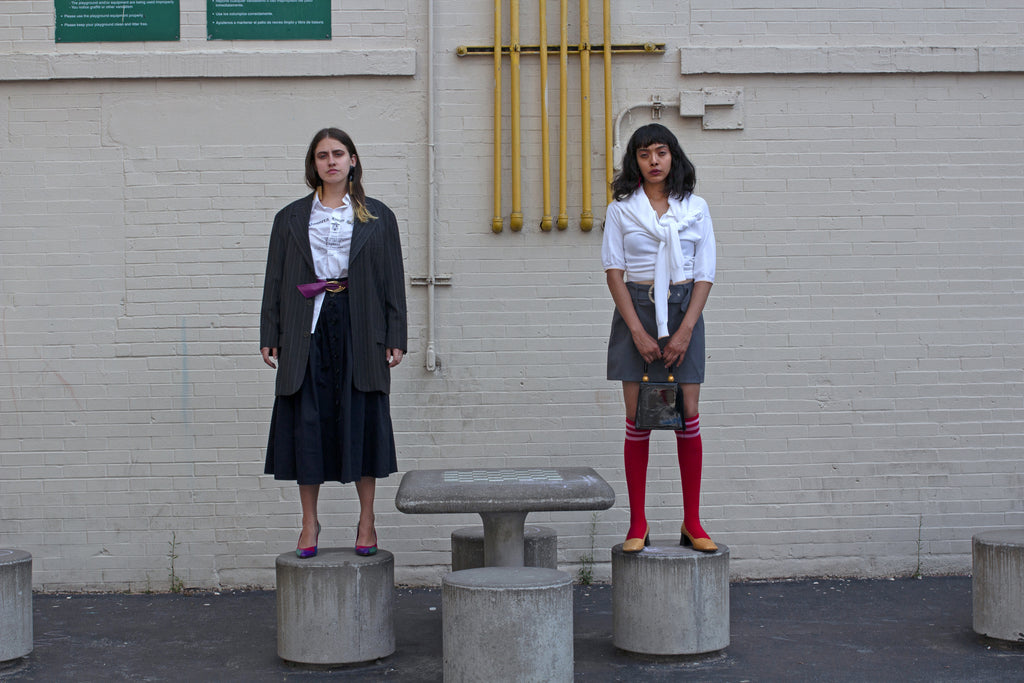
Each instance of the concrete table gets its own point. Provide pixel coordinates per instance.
(503, 498)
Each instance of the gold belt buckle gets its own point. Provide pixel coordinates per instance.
(650, 293)
(333, 286)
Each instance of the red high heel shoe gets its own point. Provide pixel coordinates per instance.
(303, 553)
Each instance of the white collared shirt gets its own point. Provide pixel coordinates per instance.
(330, 237)
(628, 246)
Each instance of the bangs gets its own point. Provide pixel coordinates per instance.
(654, 134)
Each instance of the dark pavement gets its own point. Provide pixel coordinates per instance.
(808, 630)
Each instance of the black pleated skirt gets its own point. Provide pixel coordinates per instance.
(329, 430)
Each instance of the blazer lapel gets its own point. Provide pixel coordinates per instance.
(298, 226)
(360, 233)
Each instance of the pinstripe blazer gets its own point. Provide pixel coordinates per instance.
(376, 296)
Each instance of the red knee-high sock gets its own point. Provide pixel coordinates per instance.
(636, 451)
(691, 457)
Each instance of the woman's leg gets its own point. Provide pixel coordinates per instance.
(691, 459)
(309, 494)
(366, 534)
(635, 452)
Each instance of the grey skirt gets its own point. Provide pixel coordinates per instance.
(624, 361)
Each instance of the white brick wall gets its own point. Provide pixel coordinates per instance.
(863, 409)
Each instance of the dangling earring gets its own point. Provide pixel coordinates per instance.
(351, 173)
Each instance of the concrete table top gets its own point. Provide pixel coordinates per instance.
(503, 498)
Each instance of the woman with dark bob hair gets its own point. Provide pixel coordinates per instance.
(659, 258)
(333, 323)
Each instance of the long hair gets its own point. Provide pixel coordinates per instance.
(681, 178)
(355, 184)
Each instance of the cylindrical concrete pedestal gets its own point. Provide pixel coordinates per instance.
(15, 604)
(541, 547)
(335, 608)
(670, 600)
(507, 624)
(997, 584)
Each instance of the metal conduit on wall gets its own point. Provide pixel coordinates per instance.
(586, 215)
(496, 222)
(545, 138)
(563, 115)
(515, 221)
(607, 51)
(515, 49)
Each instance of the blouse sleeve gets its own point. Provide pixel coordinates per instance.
(613, 254)
(704, 251)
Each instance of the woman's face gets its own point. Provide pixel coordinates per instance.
(654, 161)
(333, 162)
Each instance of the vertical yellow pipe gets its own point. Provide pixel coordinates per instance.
(496, 222)
(586, 216)
(515, 221)
(563, 116)
(545, 221)
(608, 161)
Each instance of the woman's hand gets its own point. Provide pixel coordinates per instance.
(269, 356)
(677, 345)
(394, 357)
(647, 346)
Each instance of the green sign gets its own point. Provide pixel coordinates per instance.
(268, 19)
(92, 21)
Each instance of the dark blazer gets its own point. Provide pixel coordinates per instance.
(376, 281)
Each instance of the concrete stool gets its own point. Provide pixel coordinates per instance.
(998, 584)
(507, 624)
(670, 600)
(15, 604)
(541, 547)
(335, 608)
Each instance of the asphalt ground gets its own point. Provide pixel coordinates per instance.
(902, 629)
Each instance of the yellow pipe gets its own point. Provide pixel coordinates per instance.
(515, 221)
(608, 161)
(563, 116)
(545, 221)
(497, 221)
(586, 216)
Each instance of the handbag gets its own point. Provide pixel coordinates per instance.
(659, 405)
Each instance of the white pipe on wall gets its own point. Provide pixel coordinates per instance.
(431, 354)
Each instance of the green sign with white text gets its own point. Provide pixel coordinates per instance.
(93, 21)
(268, 19)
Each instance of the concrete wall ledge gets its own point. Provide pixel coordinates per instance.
(857, 59)
(52, 66)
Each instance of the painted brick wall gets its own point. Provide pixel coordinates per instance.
(863, 408)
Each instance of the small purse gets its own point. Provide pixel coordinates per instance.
(659, 404)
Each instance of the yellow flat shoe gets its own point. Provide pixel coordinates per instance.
(704, 545)
(635, 545)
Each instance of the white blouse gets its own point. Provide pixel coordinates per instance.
(680, 245)
(330, 237)
(630, 247)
